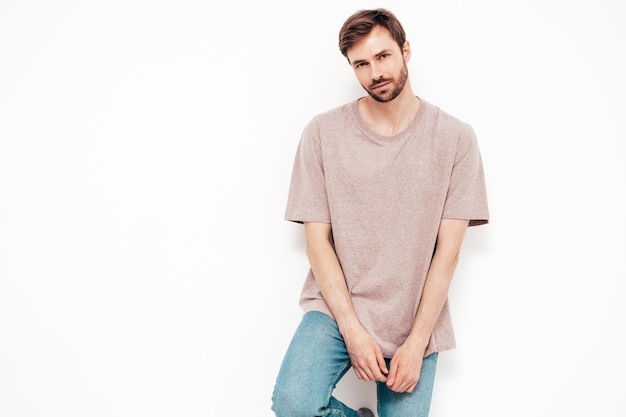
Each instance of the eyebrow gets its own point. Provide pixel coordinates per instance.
(383, 52)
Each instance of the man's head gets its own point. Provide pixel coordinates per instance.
(375, 45)
(361, 23)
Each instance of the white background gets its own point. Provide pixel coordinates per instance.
(145, 155)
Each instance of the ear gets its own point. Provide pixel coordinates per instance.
(406, 51)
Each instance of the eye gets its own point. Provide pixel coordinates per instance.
(384, 56)
(360, 65)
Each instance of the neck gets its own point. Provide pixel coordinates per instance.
(391, 118)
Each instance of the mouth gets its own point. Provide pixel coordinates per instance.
(380, 85)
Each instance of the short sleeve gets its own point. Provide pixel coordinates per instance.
(467, 195)
(307, 200)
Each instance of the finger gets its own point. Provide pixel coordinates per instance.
(382, 365)
(393, 373)
(378, 375)
(411, 388)
(409, 383)
(400, 382)
(398, 385)
(374, 373)
(365, 375)
(401, 385)
(405, 386)
(375, 369)
(358, 373)
(365, 372)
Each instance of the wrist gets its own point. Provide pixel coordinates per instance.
(348, 324)
(417, 342)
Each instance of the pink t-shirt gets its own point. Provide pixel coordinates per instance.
(385, 197)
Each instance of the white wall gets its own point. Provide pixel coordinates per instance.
(145, 154)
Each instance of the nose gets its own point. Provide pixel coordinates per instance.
(376, 72)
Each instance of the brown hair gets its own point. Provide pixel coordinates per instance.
(361, 23)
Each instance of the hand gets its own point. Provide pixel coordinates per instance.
(405, 369)
(366, 356)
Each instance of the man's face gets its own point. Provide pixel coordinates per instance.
(380, 64)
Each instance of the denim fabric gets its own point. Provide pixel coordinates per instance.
(315, 362)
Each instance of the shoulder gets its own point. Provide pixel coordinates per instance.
(445, 120)
(450, 131)
(333, 116)
(324, 127)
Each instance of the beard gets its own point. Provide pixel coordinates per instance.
(390, 95)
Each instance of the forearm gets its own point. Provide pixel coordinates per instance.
(438, 280)
(329, 278)
(365, 354)
(433, 299)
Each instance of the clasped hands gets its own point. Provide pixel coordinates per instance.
(369, 364)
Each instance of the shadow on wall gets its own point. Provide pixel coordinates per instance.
(356, 393)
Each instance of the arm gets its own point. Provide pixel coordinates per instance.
(406, 364)
(365, 354)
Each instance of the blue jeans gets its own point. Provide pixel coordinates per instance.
(315, 362)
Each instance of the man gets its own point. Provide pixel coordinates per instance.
(386, 186)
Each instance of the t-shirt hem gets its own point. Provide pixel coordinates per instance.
(320, 306)
(316, 305)
(473, 221)
(441, 348)
(302, 220)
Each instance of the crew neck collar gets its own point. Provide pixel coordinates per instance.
(381, 138)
